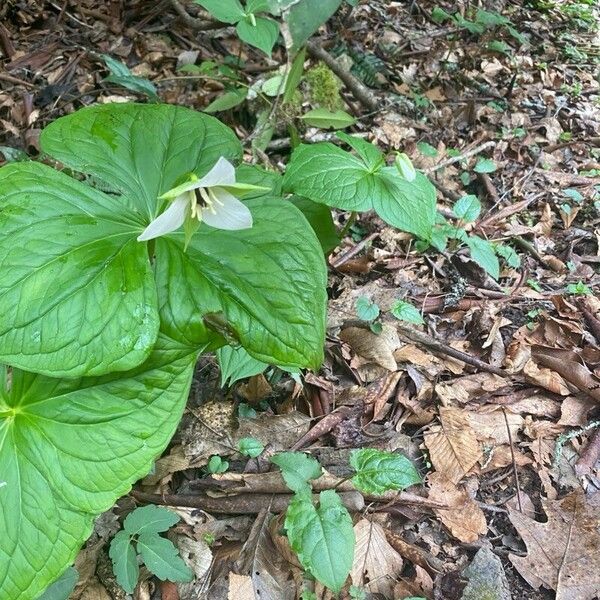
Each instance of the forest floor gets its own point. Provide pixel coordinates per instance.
(495, 398)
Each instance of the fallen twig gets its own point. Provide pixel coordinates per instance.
(340, 260)
(243, 504)
(195, 23)
(461, 157)
(433, 344)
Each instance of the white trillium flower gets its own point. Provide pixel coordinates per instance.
(209, 200)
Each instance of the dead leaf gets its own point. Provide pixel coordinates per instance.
(376, 564)
(546, 378)
(256, 389)
(491, 427)
(463, 518)
(240, 587)
(486, 577)
(574, 411)
(563, 552)
(453, 445)
(469, 387)
(267, 568)
(374, 348)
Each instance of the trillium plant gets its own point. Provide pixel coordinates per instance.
(136, 248)
(139, 243)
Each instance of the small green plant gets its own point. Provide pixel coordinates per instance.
(481, 21)
(121, 75)
(578, 289)
(216, 465)
(250, 23)
(467, 210)
(321, 534)
(139, 541)
(250, 447)
(366, 309)
(405, 311)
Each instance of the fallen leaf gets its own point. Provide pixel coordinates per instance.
(463, 518)
(469, 387)
(486, 578)
(370, 346)
(240, 587)
(563, 552)
(491, 427)
(376, 564)
(546, 378)
(453, 445)
(267, 567)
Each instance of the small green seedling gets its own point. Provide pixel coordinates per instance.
(139, 541)
(216, 465)
(321, 533)
(578, 289)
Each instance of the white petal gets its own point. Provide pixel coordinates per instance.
(168, 221)
(230, 214)
(223, 173)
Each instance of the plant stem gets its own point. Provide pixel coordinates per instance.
(348, 223)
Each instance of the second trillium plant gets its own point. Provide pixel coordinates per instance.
(111, 291)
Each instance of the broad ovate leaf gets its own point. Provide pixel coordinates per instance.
(69, 448)
(262, 288)
(407, 205)
(378, 472)
(304, 17)
(149, 519)
(261, 34)
(77, 295)
(297, 469)
(329, 175)
(140, 150)
(62, 588)
(322, 537)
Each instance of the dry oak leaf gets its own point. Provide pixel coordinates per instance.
(453, 446)
(563, 553)
(463, 518)
(376, 565)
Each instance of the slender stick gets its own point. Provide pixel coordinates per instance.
(463, 156)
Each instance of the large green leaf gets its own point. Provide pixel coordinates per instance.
(265, 284)
(322, 537)
(140, 150)
(304, 17)
(76, 293)
(69, 449)
(77, 296)
(329, 175)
